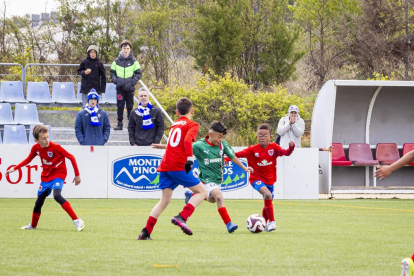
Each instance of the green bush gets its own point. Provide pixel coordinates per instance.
(234, 103)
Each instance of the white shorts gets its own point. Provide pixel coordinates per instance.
(211, 186)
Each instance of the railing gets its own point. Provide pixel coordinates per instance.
(12, 64)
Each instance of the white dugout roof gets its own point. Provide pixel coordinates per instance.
(349, 111)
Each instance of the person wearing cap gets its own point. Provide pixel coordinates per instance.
(92, 126)
(291, 127)
(146, 124)
(93, 74)
(125, 74)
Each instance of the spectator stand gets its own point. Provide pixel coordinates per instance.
(363, 112)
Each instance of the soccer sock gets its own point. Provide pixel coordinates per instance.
(269, 209)
(264, 213)
(224, 215)
(66, 206)
(150, 224)
(187, 211)
(35, 219)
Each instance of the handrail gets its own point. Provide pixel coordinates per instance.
(13, 64)
(24, 74)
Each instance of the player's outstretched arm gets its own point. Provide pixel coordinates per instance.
(384, 171)
(10, 171)
(159, 146)
(237, 161)
(77, 180)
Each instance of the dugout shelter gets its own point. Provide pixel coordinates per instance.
(359, 113)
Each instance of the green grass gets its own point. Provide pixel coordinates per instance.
(325, 237)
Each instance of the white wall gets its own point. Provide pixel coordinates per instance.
(129, 172)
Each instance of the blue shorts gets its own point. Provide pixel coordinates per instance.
(259, 184)
(173, 179)
(56, 183)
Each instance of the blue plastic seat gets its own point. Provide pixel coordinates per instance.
(14, 135)
(31, 137)
(38, 92)
(79, 94)
(6, 115)
(63, 92)
(12, 92)
(26, 114)
(109, 97)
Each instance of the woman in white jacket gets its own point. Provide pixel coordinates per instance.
(291, 127)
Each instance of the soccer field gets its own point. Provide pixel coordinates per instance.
(325, 237)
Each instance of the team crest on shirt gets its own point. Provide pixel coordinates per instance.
(256, 154)
(271, 152)
(50, 154)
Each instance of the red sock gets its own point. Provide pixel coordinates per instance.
(35, 219)
(269, 209)
(150, 224)
(264, 214)
(412, 257)
(224, 215)
(187, 211)
(66, 206)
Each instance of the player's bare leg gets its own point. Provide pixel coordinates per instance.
(200, 193)
(218, 197)
(268, 212)
(165, 199)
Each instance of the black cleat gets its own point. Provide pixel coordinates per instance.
(144, 235)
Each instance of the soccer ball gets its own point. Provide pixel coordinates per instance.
(255, 223)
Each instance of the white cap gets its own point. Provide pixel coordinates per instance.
(293, 108)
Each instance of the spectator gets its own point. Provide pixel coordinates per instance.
(93, 74)
(92, 126)
(291, 127)
(146, 124)
(125, 73)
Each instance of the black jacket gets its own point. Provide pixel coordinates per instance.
(95, 79)
(145, 137)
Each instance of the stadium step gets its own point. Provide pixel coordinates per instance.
(66, 136)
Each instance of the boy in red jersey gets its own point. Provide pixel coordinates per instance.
(176, 168)
(53, 174)
(262, 158)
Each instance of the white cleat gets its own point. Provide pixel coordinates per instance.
(407, 268)
(270, 226)
(79, 224)
(28, 227)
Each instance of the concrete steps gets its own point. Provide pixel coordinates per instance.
(66, 136)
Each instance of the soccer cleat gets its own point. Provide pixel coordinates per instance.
(188, 195)
(144, 235)
(270, 226)
(231, 227)
(79, 224)
(179, 221)
(28, 227)
(407, 267)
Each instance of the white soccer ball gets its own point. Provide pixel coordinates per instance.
(255, 223)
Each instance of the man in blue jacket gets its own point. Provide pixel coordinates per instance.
(92, 126)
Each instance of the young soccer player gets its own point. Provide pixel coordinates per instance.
(262, 158)
(209, 152)
(382, 172)
(53, 174)
(176, 168)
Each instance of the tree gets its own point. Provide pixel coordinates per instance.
(250, 39)
(227, 181)
(321, 22)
